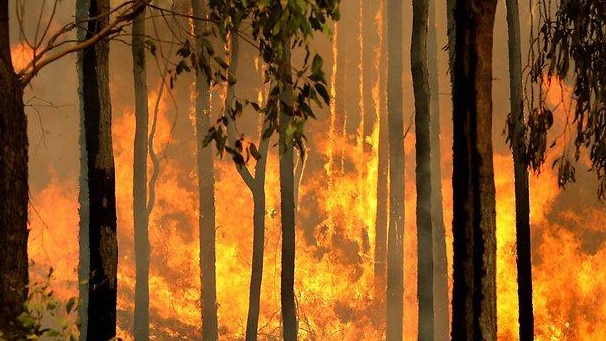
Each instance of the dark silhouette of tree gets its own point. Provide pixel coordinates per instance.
(570, 46)
(522, 196)
(422, 99)
(206, 187)
(46, 48)
(440, 264)
(474, 222)
(287, 194)
(100, 178)
(13, 189)
(277, 28)
(395, 122)
(140, 203)
(256, 185)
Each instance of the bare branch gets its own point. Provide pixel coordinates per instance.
(125, 13)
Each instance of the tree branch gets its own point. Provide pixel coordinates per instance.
(126, 13)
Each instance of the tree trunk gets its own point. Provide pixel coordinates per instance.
(206, 191)
(523, 247)
(13, 190)
(287, 192)
(254, 301)
(256, 185)
(82, 7)
(141, 216)
(382, 219)
(395, 121)
(440, 265)
(422, 95)
(103, 243)
(474, 293)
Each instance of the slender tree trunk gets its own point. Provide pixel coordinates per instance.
(254, 301)
(84, 210)
(382, 219)
(206, 191)
(451, 33)
(474, 293)
(258, 192)
(103, 243)
(287, 192)
(141, 216)
(523, 247)
(13, 190)
(395, 121)
(256, 185)
(420, 78)
(440, 265)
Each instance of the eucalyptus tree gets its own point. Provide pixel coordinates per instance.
(46, 48)
(141, 210)
(255, 181)
(440, 264)
(474, 212)
(395, 123)
(278, 28)
(570, 46)
(422, 98)
(516, 137)
(206, 182)
(13, 189)
(99, 220)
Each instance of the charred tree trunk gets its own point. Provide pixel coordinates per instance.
(395, 121)
(522, 196)
(422, 95)
(474, 263)
(206, 191)
(102, 237)
(140, 213)
(13, 190)
(440, 265)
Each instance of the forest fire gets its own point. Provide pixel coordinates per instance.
(337, 201)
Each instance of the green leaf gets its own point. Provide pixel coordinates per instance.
(255, 106)
(182, 66)
(184, 51)
(151, 46)
(221, 61)
(322, 91)
(263, 3)
(27, 320)
(316, 65)
(208, 46)
(70, 304)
